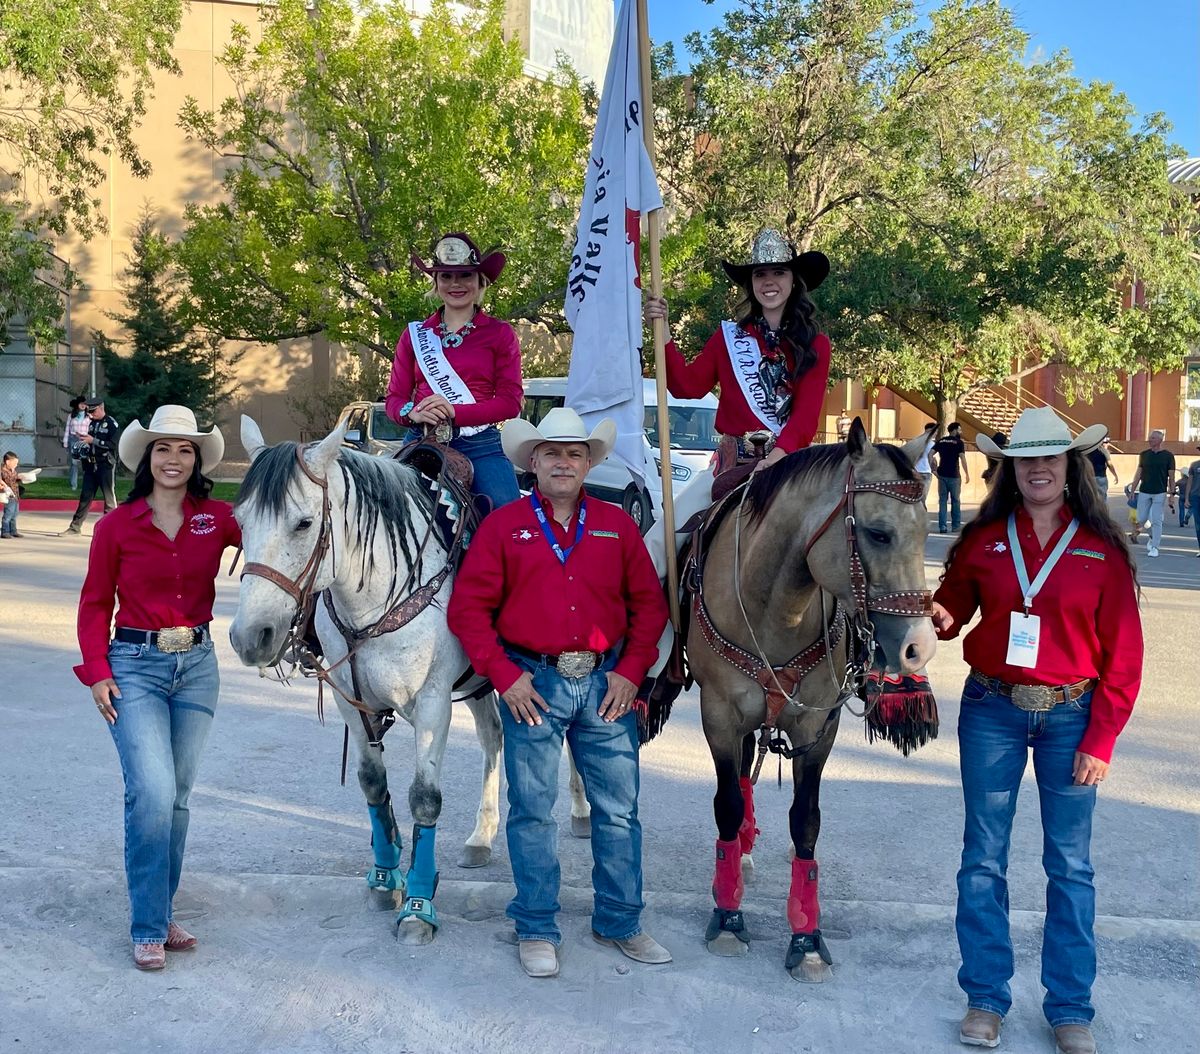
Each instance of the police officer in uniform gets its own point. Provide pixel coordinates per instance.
(96, 458)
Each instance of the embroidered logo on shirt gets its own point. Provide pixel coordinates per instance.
(604, 534)
(524, 535)
(204, 523)
(996, 547)
(1086, 552)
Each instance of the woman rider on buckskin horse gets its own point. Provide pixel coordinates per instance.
(467, 377)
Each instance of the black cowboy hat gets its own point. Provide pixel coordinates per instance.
(456, 253)
(770, 247)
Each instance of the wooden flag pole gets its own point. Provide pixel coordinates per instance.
(660, 355)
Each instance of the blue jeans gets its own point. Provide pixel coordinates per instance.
(1194, 504)
(8, 522)
(949, 487)
(495, 477)
(606, 754)
(994, 738)
(163, 717)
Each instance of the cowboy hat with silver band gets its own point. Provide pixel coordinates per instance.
(560, 425)
(171, 422)
(1041, 432)
(456, 253)
(770, 247)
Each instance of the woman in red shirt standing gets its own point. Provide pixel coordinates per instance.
(1056, 663)
(154, 680)
(459, 371)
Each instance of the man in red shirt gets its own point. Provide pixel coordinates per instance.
(558, 604)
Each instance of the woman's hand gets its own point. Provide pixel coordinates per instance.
(656, 307)
(432, 410)
(1088, 770)
(943, 621)
(103, 694)
(775, 455)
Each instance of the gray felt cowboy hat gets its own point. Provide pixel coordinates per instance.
(455, 252)
(771, 247)
(1040, 432)
(171, 422)
(560, 425)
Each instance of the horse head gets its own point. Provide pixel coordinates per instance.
(284, 510)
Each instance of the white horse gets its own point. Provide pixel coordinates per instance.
(328, 518)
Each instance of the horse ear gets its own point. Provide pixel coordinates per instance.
(326, 452)
(856, 440)
(914, 448)
(252, 437)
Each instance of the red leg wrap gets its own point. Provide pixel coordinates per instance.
(748, 831)
(802, 908)
(727, 879)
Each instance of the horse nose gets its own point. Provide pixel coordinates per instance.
(266, 638)
(918, 648)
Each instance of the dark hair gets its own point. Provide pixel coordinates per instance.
(953, 426)
(1083, 499)
(77, 402)
(1000, 439)
(13, 454)
(798, 324)
(198, 485)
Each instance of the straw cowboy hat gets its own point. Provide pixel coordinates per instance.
(171, 422)
(1041, 432)
(560, 425)
(771, 247)
(455, 252)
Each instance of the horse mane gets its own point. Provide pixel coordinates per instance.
(381, 490)
(809, 462)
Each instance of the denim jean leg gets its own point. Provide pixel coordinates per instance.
(1069, 940)
(955, 488)
(494, 477)
(532, 754)
(192, 703)
(606, 754)
(142, 734)
(1194, 500)
(943, 499)
(8, 524)
(993, 738)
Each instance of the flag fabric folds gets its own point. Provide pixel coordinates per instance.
(604, 294)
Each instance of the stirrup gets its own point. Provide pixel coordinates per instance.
(804, 944)
(386, 878)
(418, 908)
(724, 921)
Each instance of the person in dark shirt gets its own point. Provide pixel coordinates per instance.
(1101, 466)
(1154, 484)
(950, 457)
(97, 451)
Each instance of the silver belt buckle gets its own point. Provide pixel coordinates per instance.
(443, 433)
(1034, 697)
(576, 663)
(176, 639)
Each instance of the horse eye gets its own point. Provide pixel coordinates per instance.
(879, 537)
(303, 525)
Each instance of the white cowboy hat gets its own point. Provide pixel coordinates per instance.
(560, 425)
(171, 422)
(1041, 432)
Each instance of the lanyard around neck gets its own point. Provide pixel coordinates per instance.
(557, 549)
(1029, 590)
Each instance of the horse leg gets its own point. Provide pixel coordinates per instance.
(581, 811)
(477, 852)
(386, 843)
(748, 832)
(808, 957)
(726, 932)
(416, 922)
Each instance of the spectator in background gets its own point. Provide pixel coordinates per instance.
(10, 493)
(97, 450)
(843, 426)
(77, 428)
(1001, 441)
(922, 467)
(1191, 495)
(1102, 465)
(1181, 489)
(1154, 485)
(949, 460)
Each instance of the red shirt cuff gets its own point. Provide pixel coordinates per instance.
(503, 673)
(631, 670)
(1099, 743)
(93, 672)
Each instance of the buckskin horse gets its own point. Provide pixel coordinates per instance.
(357, 531)
(817, 567)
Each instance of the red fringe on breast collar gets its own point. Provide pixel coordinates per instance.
(901, 709)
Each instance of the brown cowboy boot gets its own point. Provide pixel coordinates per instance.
(1074, 1039)
(980, 1028)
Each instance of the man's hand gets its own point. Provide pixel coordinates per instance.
(523, 701)
(103, 694)
(87, 439)
(1088, 770)
(619, 697)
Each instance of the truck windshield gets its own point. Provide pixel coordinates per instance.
(692, 427)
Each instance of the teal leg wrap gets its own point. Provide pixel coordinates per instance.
(387, 846)
(422, 879)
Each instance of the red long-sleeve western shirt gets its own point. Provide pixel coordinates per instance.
(488, 361)
(691, 380)
(1090, 624)
(512, 588)
(156, 581)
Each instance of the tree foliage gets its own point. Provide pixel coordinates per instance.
(356, 136)
(168, 361)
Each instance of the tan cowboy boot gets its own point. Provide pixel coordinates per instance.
(149, 956)
(641, 947)
(178, 939)
(1074, 1039)
(538, 958)
(980, 1028)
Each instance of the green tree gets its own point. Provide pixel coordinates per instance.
(356, 136)
(168, 360)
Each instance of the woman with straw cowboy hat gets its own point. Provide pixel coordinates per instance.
(155, 680)
(1056, 663)
(458, 372)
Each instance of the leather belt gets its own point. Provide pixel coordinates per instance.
(170, 640)
(572, 664)
(1035, 696)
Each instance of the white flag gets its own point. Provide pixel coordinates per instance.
(604, 289)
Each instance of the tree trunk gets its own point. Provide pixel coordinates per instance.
(947, 411)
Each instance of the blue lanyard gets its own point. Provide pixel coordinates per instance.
(1031, 590)
(540, 513)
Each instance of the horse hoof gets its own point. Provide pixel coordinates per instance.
(414, 932)
(812, 969)
(747, 866)
(727, 946)
(384, 899)
(581, 826)
(475, 856)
